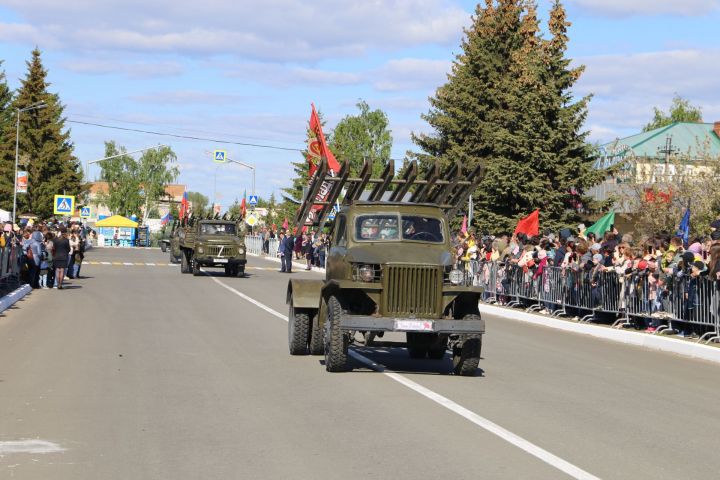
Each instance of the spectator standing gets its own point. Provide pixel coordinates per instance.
(74, 247)
(50, 269)
(61, 256)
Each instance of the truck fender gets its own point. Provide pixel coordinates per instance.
(304, 293)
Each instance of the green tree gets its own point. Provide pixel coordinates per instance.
(507, 106)
(6, 112)
(199, 202)
(135, 186)
(680, 111)
(46, 151)
(361, 137)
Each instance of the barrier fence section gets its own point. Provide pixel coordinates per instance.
(639, 299)
(255, 246)
(9, 266)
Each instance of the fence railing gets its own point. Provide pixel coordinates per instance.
(637, 299)
(9, 266)
(256, 246)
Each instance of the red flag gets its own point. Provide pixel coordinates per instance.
(183, 206)
(529, 225)
(243, 206)
(317, 146)
(464, 225)
(285, 224)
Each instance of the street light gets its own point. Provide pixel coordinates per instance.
(36, 106)
(251, 167)
(87, 164)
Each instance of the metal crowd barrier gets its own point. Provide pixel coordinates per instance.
(669, 304)
(9, 266)
(254, 245)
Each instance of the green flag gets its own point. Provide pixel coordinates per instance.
(601, 226)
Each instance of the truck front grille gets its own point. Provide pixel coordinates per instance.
(412, 290)
(221, 251)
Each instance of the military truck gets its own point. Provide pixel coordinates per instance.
(212, 243)
(171, 242)
(390, 268)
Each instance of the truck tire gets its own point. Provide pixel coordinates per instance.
(316, 337)
(298, 331)
(229, 271)
(172, 257)
(336, 342)
(241, 271)
(466, 357)
(195, 267)
(184, 262)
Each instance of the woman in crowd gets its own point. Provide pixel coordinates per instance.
(61, 256)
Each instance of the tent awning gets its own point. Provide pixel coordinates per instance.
(116, 221)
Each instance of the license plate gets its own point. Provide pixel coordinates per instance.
(414, 325)
(221, 260)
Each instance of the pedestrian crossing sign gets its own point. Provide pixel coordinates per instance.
(253, 200)
(219, 156)
(64, 205)
(85, 212)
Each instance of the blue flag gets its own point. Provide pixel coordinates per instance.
(684, 230)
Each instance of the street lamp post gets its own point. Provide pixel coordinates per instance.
(251, 167)
(18, 111)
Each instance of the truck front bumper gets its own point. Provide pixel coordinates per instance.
(220, 262)
(425, 325)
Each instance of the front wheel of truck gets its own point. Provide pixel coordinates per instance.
(336, 342)
(316, 337)
(466, 354)
(195, 266)
(298, 331)
(184, 262)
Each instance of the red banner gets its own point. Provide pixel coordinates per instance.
(317, 149)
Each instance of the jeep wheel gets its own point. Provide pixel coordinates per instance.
(184, 262)
(195, 267)
(316, 337)
(298, 331)
(336, 342)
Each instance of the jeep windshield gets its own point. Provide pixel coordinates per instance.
(217, 229)
(389, 228)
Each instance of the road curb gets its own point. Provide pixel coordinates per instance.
(300, 266)
(639, 339)
(9, 300)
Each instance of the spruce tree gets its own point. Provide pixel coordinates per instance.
(507, 105)
(46, 151)
(5, 101)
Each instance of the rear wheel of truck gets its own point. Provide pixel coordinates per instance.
(163, 248)
(184, 262)
(466, 355)
(298, 331)
(316, 337)
(195, 267)
(336, 342)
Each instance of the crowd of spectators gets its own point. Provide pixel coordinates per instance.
(660, 260)
(46, 252)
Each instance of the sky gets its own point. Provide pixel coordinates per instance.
(247, 71)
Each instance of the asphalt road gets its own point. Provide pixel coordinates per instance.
(139, 372)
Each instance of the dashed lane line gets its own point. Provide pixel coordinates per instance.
(480, 421)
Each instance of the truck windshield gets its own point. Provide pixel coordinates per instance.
(217, 229)
(383, 228)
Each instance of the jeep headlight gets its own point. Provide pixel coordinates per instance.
(201, 250)
(241, 251)
(456, 276)
(366, 273)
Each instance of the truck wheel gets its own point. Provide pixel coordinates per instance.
(172, 257)
(240, 271)
(466, 357)
(195, 267)
(184, 262)
(316, 337)
(163, 248)
(229, 272)
(298, 331)
(336, 342)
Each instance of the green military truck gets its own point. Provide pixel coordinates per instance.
(171, 242)
(390, 268)
(212, 243)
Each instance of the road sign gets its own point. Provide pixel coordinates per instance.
(85, 212)
(64, 205)
(252, 200)
(220, 156)
(251, 219)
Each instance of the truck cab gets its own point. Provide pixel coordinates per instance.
(213, 243)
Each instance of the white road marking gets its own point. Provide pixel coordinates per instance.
(129, 264)
(106, 263)
(482, 422)
(29, 446)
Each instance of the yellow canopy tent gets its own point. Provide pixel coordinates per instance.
(116, 221)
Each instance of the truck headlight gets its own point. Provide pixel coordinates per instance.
(456, 277)
(367, 273)
(241, 251)
(201, 250)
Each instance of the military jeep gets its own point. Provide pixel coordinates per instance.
(390, 268)
(212, 243)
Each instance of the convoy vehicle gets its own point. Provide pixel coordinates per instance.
(212, 243)
(390, 268)
(171, 242)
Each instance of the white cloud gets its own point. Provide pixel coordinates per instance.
(627, 87)
(627, 8)
(187, 97)
(411, 74)
(282, 30)
(284, 76)
(135, 70)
